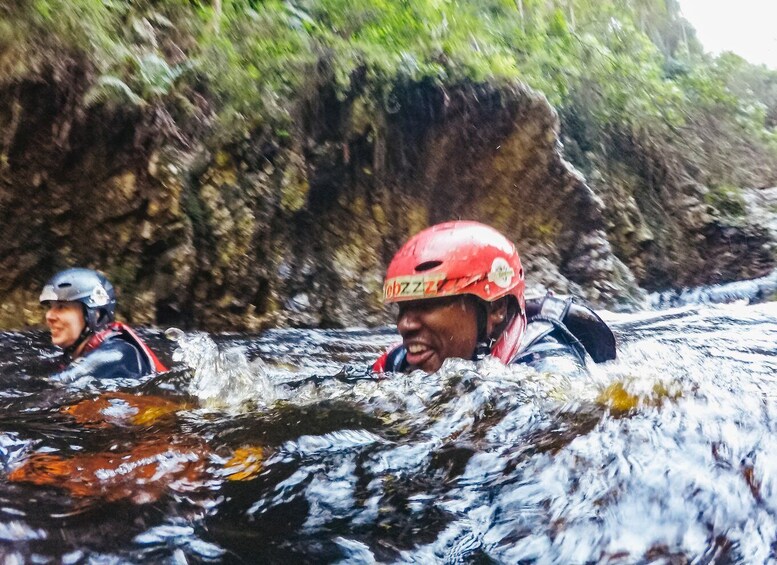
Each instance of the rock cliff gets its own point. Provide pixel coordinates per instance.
(296, 227)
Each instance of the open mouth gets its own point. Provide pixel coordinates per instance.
(418, 354)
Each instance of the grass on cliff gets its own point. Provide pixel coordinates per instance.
(626, 65)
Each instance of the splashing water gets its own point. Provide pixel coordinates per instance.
(665, 455)
(223, 380)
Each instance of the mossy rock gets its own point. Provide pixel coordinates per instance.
(728, 200)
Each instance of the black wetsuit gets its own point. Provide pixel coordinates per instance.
(561, 337)
(116, 353)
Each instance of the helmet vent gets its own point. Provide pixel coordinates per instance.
(65, 285)
(426, 266)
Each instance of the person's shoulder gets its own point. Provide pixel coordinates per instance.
(392, 361)
(563, 335)
(544, 339)
(569, 320)
(117, 342)
(117, 356)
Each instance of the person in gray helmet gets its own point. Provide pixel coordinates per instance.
(81, 306)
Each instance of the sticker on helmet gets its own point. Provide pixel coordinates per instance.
(99, 296)
(501, 273)
(413, 286)
(48, 294)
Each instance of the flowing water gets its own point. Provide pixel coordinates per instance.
(279, 449)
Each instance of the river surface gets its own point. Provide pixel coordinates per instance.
(276, 449)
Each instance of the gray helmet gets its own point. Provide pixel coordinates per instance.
(88, 287)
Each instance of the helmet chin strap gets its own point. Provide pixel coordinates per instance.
(485, 343)
(71, 349)
(483, 349)
(85, 334)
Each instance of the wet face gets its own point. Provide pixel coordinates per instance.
(434, 329)
(66, 322)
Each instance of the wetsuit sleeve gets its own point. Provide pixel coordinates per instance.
(115, 358)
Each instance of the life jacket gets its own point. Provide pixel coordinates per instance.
(575, 324)
(570, 322)
(127, 334)
(392, 361)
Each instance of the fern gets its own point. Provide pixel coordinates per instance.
(112, 90)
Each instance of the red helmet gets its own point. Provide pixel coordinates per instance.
(457, 258)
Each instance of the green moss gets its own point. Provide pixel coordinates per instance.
(416, 219)
(728, 200)
(21, 309)
(614, 65)
(294, 192)
(124, 277)
(548, 230)
(362, 116)
(124, 274)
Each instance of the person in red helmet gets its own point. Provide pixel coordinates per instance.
(81, 304)
(459, 287)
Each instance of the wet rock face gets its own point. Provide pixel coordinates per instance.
(297, 229)
(75, 191)
(670, 229)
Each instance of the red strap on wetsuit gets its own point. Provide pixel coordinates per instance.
(118, 327)
(388, 361)
(380, 365)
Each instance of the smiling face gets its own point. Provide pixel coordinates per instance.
(66, 322)
(434, 329)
